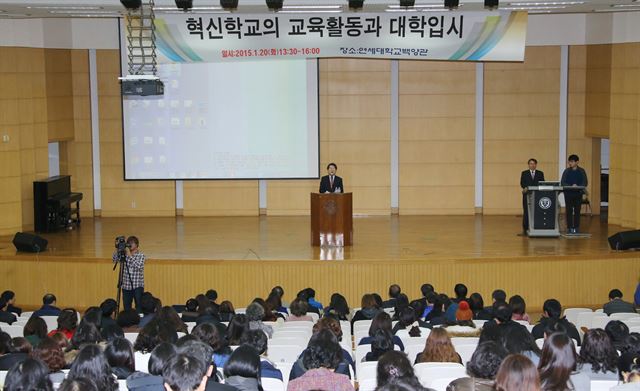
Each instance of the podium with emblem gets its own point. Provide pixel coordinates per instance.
(331, 219)
(542, 204)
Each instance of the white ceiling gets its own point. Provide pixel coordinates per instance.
(113, 8)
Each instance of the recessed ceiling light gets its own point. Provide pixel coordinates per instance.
(62, 7)
(302, 7)
(625, 5)
(554, 7)
(213, 8)
(416, 6)
(72, 12)
(310, 11)
(401, 10)
(546, 3)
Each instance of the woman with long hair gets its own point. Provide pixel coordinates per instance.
(242, 370)
(337, 307)
(210, 335)
(50, 353)
(557, 365)
(92, 364)
(119, 354)
(482, 368)
(237, 327)
(517, 373)
(30, 374)
(438, 348)
(67, 323)
(381, 321)
(35, 330)
(395, 367)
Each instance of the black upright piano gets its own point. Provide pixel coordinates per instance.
(54, 205)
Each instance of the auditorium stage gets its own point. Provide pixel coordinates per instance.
(243, 257)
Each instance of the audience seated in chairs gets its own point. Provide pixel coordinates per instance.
(11, 351)
(79, 384)
(368, 310)
(48, 306)
(91, 363)
(381, 321)
(558, 363)
(333, 325)
(630, 370)
(202, 352)
(255, 314)
(243, 369)
(320, 366)
(258, 341)
(552, 312)
(210, 335)
(618, 332)
(35, 330)
(140, 381)
(129, 321)
(237, 327)
(394, 369)
(482, 368)
(298, 311)
(5, 315)
(119, 354)
(67, 323)
(408, 321)
(519, 308)
(380, 344)
(616, 304)
(226, 311)
(9, 297)
(149, 305)
(338, 307)
(109, 309)
(185, 372)
(153, 334)
(30, 374)
(476, 303)
(438, 348)
(50, 353)
(517, 373)
(394, 292)
(598, 359)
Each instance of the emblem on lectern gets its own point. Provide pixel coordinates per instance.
(330, 207)
(544, 203)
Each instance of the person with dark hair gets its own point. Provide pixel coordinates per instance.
(243, 369)
(119, 354)
(210, 335)
(573, 176)
(381, 321)
(258, 341)
(6, 316)
(429, 300)
(320, 362)
(190, 313)
(331, 183)
(255, 314)
(519, 308)
(438, 348)
(381, 342)
(333, 325)
(552, 312)
(408, 325)
(152, 381)
(92, 364)
(9, 297)
(35, 330)
(129, 321)
(170, 315)
(148, 306)
(460, 291)
(111, 332)
(278, 290)
(393, 367)
(227, 311)
(338, 307)
(30, 374)
(79, 384)
(212, 296)
(518, 340)
(630, 373)
(207, 313)
(48, 306)
(50, 353)
(530, 177)
(482, 368)
(21, 345)
(557, 365)
(616, 304)
(369, 309)
(498, 295)
(298, 309)
(87, 333)
(437, 316)
(598, 359)
(184, 372)
(67, 323)
(203, 352)
(517, 373)
(476, 303)
(109, 309)
(238, 325)
(618, 332)
(133, 273)
(394, 292)
(9, 353)
(153, 334)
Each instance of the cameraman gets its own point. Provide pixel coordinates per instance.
(133, 273)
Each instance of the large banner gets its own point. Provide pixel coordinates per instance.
(451, 36)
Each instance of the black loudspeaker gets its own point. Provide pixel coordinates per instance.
(625, 240)
(29, 243)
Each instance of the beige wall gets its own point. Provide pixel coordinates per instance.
(437, 137)
(521, 110)
(624, 180)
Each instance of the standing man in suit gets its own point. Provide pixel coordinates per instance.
(331, 183)
(573, 176)
(530, 177)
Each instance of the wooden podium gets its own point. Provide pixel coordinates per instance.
(331, 219)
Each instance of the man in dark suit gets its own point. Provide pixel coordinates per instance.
(616, 304)
(48, 306)
(331, 183)
(530, 177)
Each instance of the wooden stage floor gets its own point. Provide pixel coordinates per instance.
(287, 238)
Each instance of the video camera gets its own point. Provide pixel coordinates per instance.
(121, 244)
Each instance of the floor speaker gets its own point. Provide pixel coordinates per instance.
(29, 243)
(625, 240)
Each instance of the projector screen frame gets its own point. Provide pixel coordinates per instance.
(124, 66)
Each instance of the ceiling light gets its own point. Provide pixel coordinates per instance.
(184, 5)
(61, 7)
(275, 5)
(417, 6)
(540, 3)
(213, 8)
(533, 8)
(625, 6)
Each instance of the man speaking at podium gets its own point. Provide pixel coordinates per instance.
(331, 183)
(530, 177)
